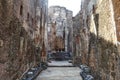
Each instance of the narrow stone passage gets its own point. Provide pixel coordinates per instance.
(35, 35)
(60, 73)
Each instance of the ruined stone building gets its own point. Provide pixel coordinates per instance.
(28, 30)
(59, 28)
(22, 36)
(97, 40)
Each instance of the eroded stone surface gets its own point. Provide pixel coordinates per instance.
(98, 38)
(22, 28)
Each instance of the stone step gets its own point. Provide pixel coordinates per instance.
(60, 64)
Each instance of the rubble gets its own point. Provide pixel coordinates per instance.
(86, 72)
(32, 73)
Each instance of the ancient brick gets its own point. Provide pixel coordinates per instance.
(100, 48)
(18, 32)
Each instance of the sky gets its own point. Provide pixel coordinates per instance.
(73, 5)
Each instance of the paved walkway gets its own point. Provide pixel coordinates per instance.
(59, 63)
(60, 73)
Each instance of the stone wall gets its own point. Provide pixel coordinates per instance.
(76, 38)
(99, 49)
(60, 26)
(22, 28)
(80, 39)
(116, 8)
(69, 31)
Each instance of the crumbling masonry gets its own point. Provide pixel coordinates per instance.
(22, 36)
(96, 43)
(60, 29)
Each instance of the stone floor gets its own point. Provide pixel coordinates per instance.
(60, 73)
(60, 63)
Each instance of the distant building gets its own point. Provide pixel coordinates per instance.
(59, 28)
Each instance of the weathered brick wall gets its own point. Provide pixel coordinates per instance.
(103, 54)
(116, 8)
(106, 41)
(20, 37)
(80, 38)
(102, 51)
(76, 38)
